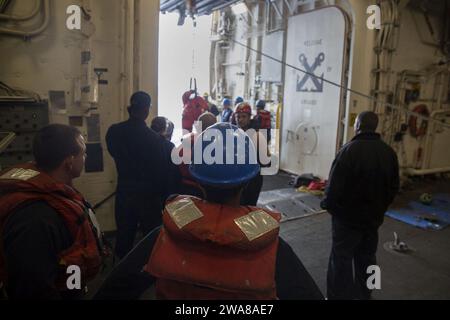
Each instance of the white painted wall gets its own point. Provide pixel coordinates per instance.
(51, 61)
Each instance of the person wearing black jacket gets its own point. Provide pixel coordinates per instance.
(363, 182)
(142, 166)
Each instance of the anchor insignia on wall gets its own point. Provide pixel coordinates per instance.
(317, 80)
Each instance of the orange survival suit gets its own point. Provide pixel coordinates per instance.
(192, 109)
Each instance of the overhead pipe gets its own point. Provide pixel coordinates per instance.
(37, 7)
(277, 10)
(170, 5)
(214, 80)
(213, 60)
(230, 3)
(214, 7)
(292, 8)
(259, 41)
(205, 6)
(126, 61)
(206, 3)
(33, 33)
(430, 132)
(422, 172)
(440, 111)
(202, 7)
(86, 83)
(13, 98)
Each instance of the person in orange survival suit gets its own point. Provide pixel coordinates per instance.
(188, 184)
(45, 224)
(193, 107)
(214, 248)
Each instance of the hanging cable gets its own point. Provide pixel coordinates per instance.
(371, 98)
(194, 56)
(194, 39)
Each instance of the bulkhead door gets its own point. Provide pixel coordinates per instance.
(316, 43)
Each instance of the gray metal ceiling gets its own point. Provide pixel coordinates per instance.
(202, 7)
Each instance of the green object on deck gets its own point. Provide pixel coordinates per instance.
(426, 198)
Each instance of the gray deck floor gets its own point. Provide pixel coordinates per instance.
(423, 274)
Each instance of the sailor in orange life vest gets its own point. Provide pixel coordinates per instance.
(214, 248)
(243, 116)
(45, 224)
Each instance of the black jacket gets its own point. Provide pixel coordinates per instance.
(140, 157)
(173, 176)
(128, 282)
(363, 182)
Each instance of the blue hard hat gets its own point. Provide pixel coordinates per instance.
(237, 163)
(226, 102)
(238, 100)
(260, 104)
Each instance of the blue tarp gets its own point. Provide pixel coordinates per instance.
(435, 216)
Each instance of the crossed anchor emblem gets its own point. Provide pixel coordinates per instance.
(317, 80)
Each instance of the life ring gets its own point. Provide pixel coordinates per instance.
(414, 130)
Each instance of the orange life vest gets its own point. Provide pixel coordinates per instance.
(213, 251)
(26, 184)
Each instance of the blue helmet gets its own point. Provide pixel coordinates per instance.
(238, 100)
(260, 104)
(234, 166)
(226, 102)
